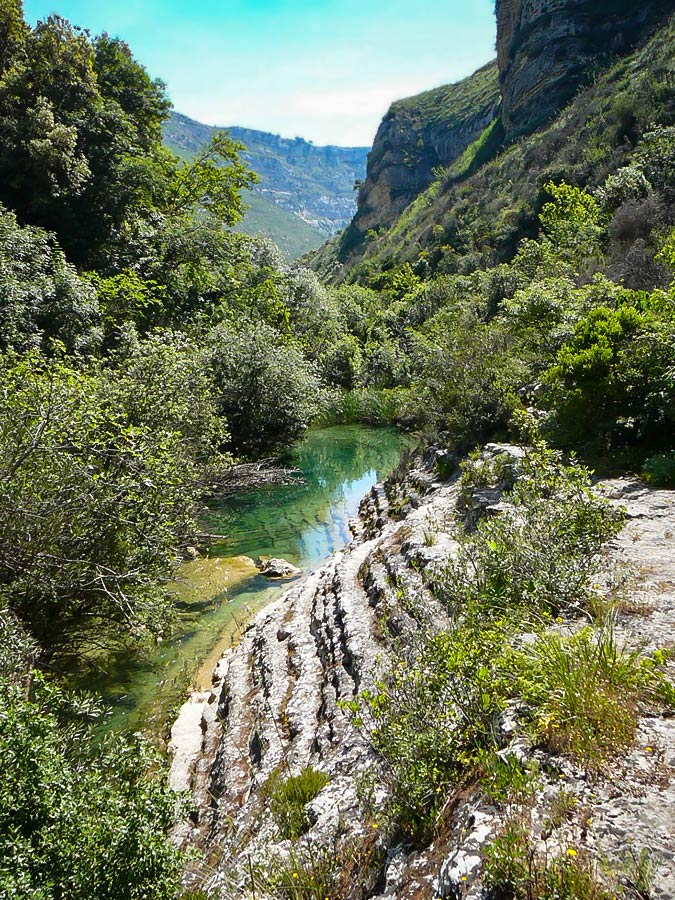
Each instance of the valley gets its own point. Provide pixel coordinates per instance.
(306, 193)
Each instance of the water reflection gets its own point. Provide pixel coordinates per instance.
(303, 523)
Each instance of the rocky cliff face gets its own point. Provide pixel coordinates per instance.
(419, 134)
(548, 48)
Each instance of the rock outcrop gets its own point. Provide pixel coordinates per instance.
(547, 51)
(418, 135)
(548, 48)
(277, 568)
(277, 705)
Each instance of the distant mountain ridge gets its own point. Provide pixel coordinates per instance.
(313, 185)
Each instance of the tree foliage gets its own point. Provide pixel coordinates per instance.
(93, 509)
(78, 820)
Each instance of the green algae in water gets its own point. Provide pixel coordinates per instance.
(304, 524)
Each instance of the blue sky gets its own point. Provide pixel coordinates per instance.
(325, 70)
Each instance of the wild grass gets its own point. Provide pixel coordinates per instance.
(514, 870)
(307, 873)
(288, 799)
(585, 693)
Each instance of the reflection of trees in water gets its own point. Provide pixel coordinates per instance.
(332, 461)
(297, 521)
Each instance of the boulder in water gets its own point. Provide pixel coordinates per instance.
(277, 568)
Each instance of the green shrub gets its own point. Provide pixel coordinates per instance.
(505, 779)
(613, 379)
(265, 388)
(585, 693)
(78, 819)
(659, 470)
(540, 557)
(431, 718)
(289, 798)
(308, 873)
(92, 509)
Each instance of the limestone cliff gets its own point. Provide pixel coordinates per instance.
(547, 51)
(548, 48)
(418, 135)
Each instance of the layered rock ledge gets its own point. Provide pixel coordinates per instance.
(276, 703)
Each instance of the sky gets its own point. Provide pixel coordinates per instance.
(324, 70)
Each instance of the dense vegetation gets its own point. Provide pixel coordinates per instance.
(145, 346)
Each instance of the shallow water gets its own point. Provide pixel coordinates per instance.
(304, 524)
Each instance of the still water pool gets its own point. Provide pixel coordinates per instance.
(303, 523)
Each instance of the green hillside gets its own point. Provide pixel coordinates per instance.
(306, 193)
(290, 233)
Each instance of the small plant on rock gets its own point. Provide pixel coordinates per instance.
(514, 870)
(289, 798)
(585, 692)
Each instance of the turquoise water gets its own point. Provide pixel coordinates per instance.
(304, 523)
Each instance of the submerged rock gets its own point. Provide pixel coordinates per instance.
(204, 579)
(278, 568)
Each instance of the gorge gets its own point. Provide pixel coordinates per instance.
(460, 687)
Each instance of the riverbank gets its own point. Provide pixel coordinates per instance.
(280, 703)
(216, 596)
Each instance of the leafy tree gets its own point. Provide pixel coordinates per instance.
(614, 377)
(82, 151)
(572, 221)
(212, 182)
(266, 389)
(43, 297)
(464, 375)
(93, 510)
(13, 33)
(164, 385)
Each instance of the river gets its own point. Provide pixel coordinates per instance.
(303, 523)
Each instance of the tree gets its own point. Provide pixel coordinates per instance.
(572, 222)
(93, 509)
(13, 33)
(266, 389)
(43, 297)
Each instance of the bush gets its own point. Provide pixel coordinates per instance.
(265, 388)
(43, 297)
(612, 380)
(539, 558)
(78, 819)
(288, 800)
(93, 511)
(164, 383)
(659, 470)
(308, 873)
(513, 870)
(431, 718)
(464, 375)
